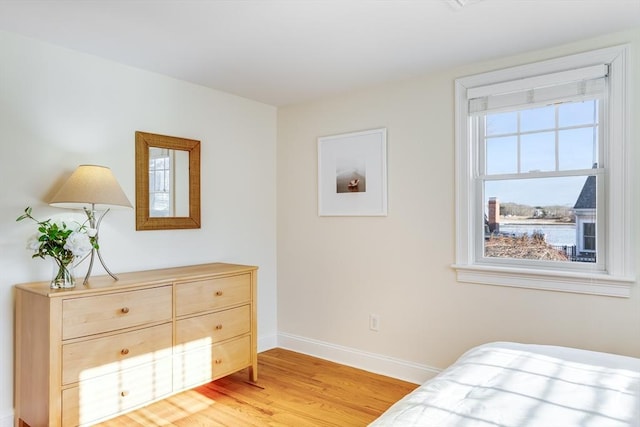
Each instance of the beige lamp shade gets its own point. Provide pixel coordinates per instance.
(90, 184)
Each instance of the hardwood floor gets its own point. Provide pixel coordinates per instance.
(292, 390)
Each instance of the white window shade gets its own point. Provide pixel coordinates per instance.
(582, 83)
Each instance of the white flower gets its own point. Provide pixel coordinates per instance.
(92, 232)
(78, 243)
(33, 243)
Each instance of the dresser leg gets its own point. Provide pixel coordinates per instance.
(253, 373)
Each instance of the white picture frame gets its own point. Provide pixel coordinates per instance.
(352, 174)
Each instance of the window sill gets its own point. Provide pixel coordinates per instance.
(594, 284)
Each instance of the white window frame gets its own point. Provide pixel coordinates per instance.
(617, 276)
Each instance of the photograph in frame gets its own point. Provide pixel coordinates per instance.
(352, 174)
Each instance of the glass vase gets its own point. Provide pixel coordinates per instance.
(62, 276)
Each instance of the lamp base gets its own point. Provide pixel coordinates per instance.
(96, 225)
(93, 253)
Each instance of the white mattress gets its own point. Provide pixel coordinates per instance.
(517, 385)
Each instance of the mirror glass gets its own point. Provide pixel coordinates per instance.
(167, 182)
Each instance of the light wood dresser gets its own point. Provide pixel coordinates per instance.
(90, 353)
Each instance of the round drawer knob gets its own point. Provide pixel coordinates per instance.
(218, 293)
(124, 393)
(218, 327)
(218, 361)
(125, 310)
(124, 351)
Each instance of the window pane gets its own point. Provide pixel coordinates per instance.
(538, 152)
(577, 113)
(502, 155)
(577, 148)
(159, 180)
(589, 236)
(159, 204)
(503, 123)
(537, 119)
(536, 218)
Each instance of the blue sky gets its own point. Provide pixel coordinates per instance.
(576, 149)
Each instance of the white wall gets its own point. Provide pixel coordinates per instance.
(334, 271)
(59, 108)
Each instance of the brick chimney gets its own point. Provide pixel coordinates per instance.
(494, 215)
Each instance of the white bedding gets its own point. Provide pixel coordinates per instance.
(517, 385)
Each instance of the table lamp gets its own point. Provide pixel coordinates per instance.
(95, 186)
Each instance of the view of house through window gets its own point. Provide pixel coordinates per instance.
(538, 169)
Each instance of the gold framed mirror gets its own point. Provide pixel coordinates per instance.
(167, 182)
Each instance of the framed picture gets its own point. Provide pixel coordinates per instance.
(352, 174)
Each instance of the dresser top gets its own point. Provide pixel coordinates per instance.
(139, 278)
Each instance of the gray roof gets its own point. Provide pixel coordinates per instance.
(587, 197)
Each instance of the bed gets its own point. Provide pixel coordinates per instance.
(516, 385)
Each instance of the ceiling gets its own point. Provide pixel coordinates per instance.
(283, 52)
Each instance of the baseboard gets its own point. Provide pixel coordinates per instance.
(267, 343)
(6, 419)
(379, 364)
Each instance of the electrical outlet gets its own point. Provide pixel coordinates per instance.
(374, 322)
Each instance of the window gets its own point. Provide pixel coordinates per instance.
(160, 203)
(589, 236)
(537, 162)
(542, 192)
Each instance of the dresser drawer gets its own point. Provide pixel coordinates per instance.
(109, 395)
(231, 356)
(211, 294)
(206, 364)
(211, 328)
(110, 312)
(94, 357)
